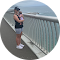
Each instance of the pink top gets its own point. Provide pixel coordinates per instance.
(21, 18)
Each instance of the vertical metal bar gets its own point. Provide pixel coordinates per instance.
(49, 29)
(37, 32)
(34, 30)
(43, 29)
(32, 22)
(30, 32)
(46, 29)
(41, 35)
(53, 33)
(27, 25)
(30, 28)
(28, 21)
(57, 30)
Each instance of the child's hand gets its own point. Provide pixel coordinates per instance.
(19, 15)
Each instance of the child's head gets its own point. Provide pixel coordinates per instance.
(20, 12)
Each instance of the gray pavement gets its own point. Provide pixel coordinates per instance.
(9, 39)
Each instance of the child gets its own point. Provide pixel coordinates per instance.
(21, 17)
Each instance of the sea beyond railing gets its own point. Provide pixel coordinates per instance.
(43, 31)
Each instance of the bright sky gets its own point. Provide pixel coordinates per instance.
(29, 3)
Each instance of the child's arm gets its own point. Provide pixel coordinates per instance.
(19, 15)
(22, 16)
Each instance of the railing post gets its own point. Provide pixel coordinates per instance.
(57, 30)
(53, 33)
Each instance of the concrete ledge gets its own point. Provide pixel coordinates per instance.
(35, 49)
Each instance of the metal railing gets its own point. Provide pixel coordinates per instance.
(43, 31)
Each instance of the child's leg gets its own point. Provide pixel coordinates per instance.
(20, 23)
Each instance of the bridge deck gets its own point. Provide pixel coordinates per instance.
(8, 37)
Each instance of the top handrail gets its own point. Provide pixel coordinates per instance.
(41, 17)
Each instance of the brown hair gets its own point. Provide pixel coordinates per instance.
(20, 12)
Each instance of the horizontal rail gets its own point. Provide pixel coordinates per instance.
(41, 17)
(47, 18)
